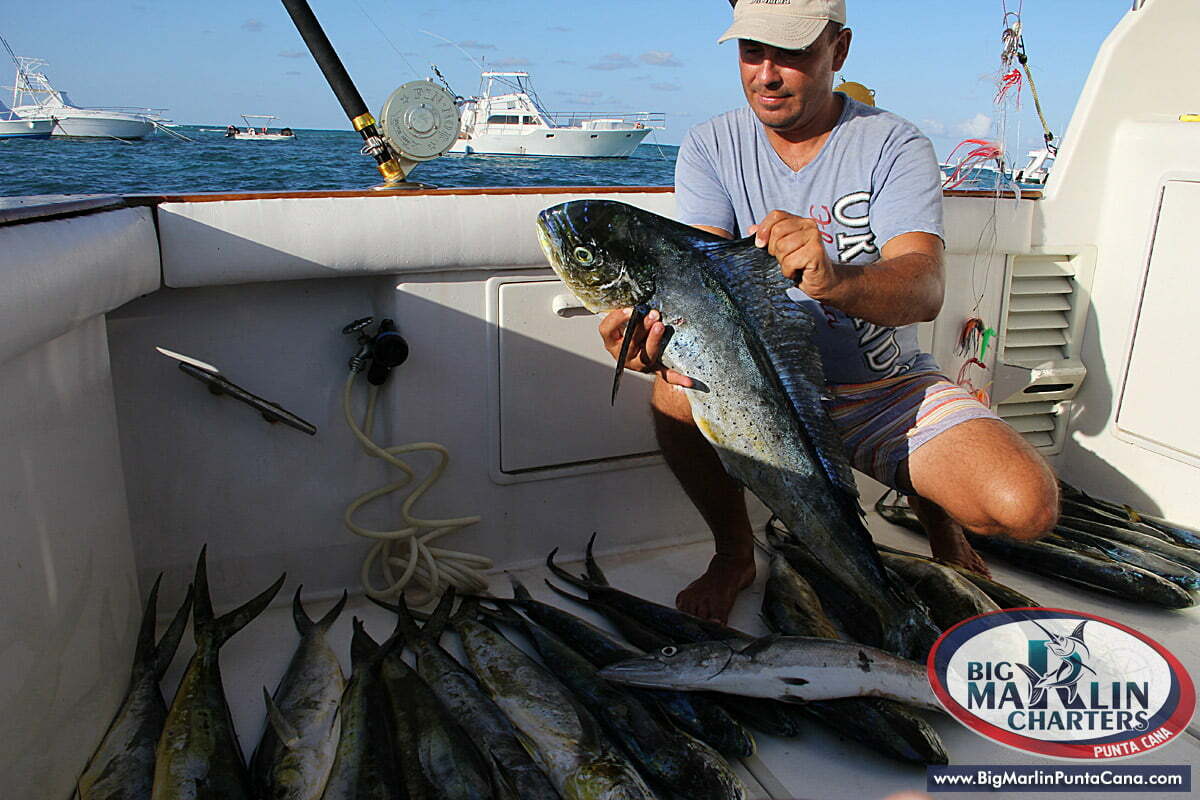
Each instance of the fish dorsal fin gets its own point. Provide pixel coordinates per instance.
(287, 733)
(753, 282)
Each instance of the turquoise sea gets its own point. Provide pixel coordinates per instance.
(315, 160)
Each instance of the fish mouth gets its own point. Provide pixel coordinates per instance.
(651, 671)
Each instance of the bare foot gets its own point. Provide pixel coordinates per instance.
(947, 543)
(711, 596)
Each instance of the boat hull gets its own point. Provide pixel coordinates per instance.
(551, 142)
(83, 123)
(25, 128)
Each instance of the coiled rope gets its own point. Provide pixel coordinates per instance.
(405, 555)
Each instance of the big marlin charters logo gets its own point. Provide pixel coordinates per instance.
(1061, 683)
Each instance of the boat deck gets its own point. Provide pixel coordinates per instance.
(819, 764)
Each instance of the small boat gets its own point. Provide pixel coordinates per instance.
(35, 98)
(259, 133)
(1037, 170)
(514, 123)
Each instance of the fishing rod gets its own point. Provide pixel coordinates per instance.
(419, 120)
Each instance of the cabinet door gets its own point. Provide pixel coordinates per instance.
(555, 381)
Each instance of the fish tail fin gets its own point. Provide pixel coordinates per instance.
(202, 610)
(362, 647)
(440, 617)
(219, 630)
(164, 651)
(579, 583)
(520, 592)
(143, 655)
(406, 627)
(594, 572)
(326, 622)
(304, 623)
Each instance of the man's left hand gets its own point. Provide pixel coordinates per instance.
(797, 245)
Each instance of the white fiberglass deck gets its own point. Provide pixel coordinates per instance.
(817, 765)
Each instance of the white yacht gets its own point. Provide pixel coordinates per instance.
(115, 466)
(260, 130)
(35, 97)
(506, 118)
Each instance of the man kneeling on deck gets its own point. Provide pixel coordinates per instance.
(848, 199)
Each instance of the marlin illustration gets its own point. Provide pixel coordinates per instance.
(1065, 677)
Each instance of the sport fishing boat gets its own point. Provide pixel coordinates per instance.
(259, 131)
(118, 464)
(34, 97)
(506, 118)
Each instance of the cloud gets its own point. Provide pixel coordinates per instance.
(471, 44)
(590, 93)
(613, 61)
(975, 127)
(293, 54)
(659, 58)
(566, 61)
(510, 62)
(293, 72)
(666, 87)
(559, 29)
(933, 127)
(253, 25)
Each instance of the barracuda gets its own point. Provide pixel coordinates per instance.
(792, 668)
(760, 380)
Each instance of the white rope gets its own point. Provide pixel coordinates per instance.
(405, 555)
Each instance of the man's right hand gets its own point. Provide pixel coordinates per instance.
(646, 348)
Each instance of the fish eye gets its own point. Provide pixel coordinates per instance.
(669, 651)
(584, 256)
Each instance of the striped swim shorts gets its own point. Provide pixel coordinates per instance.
(885, 421)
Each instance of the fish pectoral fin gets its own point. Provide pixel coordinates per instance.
(286, 732)
(636, 316)
(1030, 673)
(758, 645)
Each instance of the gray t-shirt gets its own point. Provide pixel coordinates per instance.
(876, 177)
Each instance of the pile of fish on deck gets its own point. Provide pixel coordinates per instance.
(1099, 545)
(505, 725)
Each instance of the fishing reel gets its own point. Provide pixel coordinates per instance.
(385, 349)
(419, 122)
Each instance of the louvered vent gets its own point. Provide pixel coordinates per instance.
(1039, 370)
(1038, 322)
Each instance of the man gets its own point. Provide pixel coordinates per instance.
(848, 199)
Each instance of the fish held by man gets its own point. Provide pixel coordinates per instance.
(758, 383)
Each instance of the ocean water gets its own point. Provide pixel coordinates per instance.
(316, 160)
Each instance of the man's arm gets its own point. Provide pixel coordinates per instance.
(906, 285)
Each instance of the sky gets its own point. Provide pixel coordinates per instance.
(935, 63)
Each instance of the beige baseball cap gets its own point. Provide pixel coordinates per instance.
(790, 24)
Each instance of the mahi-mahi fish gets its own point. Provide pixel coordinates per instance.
(198, 755)
(298, 746)
(122, 768)
(759, 382)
